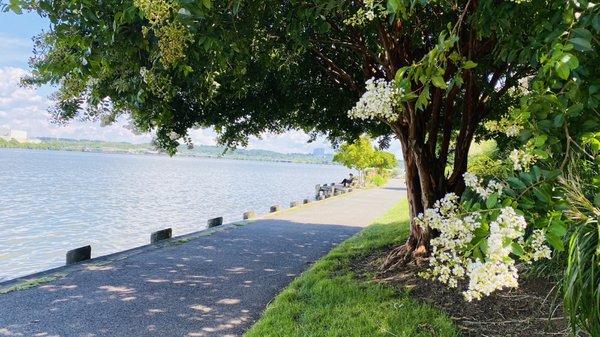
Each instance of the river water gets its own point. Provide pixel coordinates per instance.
(52, 201)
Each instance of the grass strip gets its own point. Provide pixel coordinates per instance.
(328, 300)
(32, 283)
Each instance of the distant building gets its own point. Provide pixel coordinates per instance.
(18, 135)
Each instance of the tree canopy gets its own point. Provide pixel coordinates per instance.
(361, 155)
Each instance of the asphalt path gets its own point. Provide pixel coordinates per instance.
(210, 285)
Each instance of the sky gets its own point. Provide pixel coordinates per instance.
(26, 108)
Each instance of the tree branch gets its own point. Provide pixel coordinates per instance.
(448, 121)
(434, 124)
(336, 70)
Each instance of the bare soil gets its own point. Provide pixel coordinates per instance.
(530, 310)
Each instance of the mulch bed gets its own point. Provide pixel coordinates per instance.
(530, 310)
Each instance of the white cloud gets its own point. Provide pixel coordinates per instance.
(203, 136)
(289, 142)
(26, 109)
(15, 51)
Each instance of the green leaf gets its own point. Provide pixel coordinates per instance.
(324, 26)
(582, 33)
(16, 9)
(551, 174)
(400, 74)
(575, 110)
(480, 233)
(483, 245)
(536, 173)
(571, 60)
(555, 242)
(596, 23)
(491, 201)
(563, 70)
(439, 82)
(236, 7)
(207, 4)
(540, 140)
(516, 249)
(423, 99)
(559, 120)
(516, 183)
(541, 195)
(392, 6)
(469, 65)
(184, 12)
(477, 253)
(558, 228)
(581, 44)
(543, 154)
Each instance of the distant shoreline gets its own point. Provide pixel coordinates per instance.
(200, 151)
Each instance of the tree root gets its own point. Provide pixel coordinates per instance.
(404, 254)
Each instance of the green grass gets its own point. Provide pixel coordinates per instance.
(32, 283)
(328, 300)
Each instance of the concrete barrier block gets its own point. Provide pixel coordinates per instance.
(294, 204)
(161, 235)
(79, 254)
(215, 222)
(249, 215)
(275, 208)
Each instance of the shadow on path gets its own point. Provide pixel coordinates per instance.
(211, 286)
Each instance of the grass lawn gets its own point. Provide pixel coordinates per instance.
(328, 300)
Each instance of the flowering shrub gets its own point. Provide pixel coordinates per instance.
(522, 160)
(380, 100)
(480, 240)
(508, 125)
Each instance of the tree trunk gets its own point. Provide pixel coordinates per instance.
(423, 188)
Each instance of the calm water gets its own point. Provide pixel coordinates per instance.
(51, 202)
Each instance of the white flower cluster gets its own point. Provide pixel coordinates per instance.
(522, 160)
(452, 258)
(535, 249)
(506, 125)
(372, 9)
(487, 277)
(446, 262)
(474, 183)
(380, 100)
(508, 226)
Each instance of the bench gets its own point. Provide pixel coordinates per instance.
(326, 191)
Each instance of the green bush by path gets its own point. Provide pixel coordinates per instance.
(328, 300)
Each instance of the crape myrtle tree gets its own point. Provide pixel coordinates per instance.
(427, 72)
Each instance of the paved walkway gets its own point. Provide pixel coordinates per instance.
(215, 285)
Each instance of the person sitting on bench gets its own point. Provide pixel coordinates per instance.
(348, 181)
